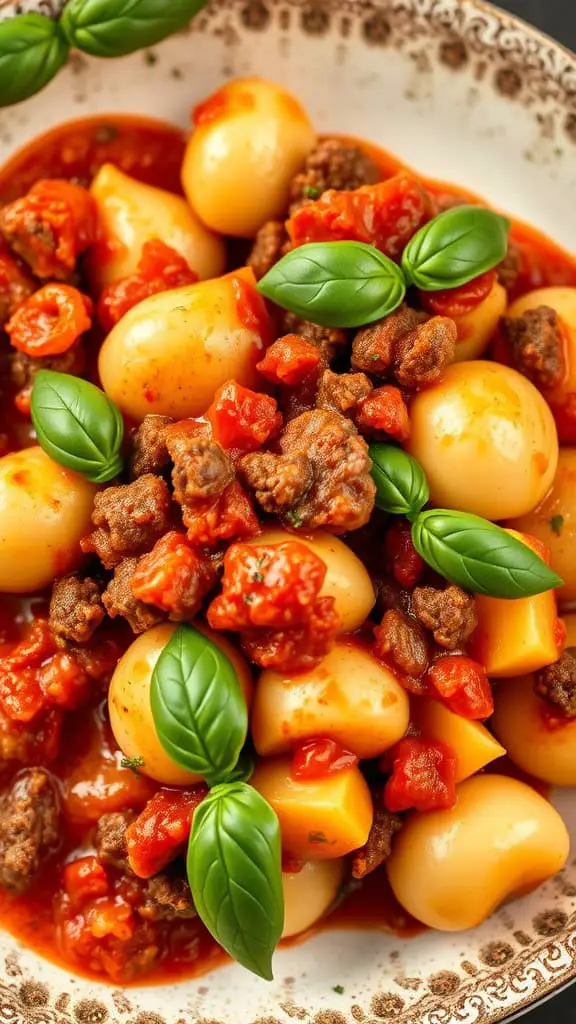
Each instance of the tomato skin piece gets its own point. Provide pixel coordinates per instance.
(51, 321)
(316, 759)
(461, 684)
(455, 302)
(384, 411)
(402, 559)
(423, 776)
(290, 360)
(158, 833)
(85, 879)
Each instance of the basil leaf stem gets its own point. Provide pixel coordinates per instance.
(77, 425)
(480, 556)
(32, 50)
(455, 247)
(335, 284)
(198, 706)
(235, 874)
(112, 28)
(401, 486)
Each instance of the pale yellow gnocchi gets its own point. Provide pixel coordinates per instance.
(543, 748)
(309, 893)
(502, 830)
(477, 328)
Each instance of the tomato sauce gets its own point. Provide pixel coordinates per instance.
(88, 767)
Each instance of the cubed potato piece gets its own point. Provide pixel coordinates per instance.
(473, 744)
(321, 819)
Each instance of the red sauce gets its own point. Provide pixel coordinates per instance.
(93, 782)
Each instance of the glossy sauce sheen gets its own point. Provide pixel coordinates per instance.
(92, 780)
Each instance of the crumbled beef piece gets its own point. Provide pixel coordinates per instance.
(110, 838)
(119, 599)
(30, 743)
(379, 844)
(270, 244)
(129, 519)
(535, 341)
(278, 481)
(557, 684)
(330, 340)
(76, 608)
(401, 640)
(510, 270)
(149, 451)
(374, 347)
(201, 467)
(29, 819)
(449, 614)
(23, 368)
(168, 898)
(333, 164)
(342, 392)
(423, 353)
(16, 284)
(341, 496)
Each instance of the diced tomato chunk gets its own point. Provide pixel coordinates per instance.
(63, 681)
(16, 284)
(85, 879)
(402, 559)
(298, 648)
(316, 759)
(230, 517)
(461, 684)
(385, 215)
(160, 268)
(290, 360)
(454, 302)
(109, 917)
(243, 419)
(50, 321)
(384, 411)
(160, 831)
(174, 576)
(423, 776)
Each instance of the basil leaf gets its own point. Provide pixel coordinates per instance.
(335, 284)
(235, 874)
(480, 556)
(112, 28)
(198, 706)
(401, 487)
(77, 425)
(455, 247)
(32, 50)
(243, 771)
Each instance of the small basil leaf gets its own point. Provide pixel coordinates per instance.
(455, 247)
(32, 50)
(77, 425)
(235, 874)
(198, 706)
(480, 556)
(112, 28)
(401, 486)
(335, 284)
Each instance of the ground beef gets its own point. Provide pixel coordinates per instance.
(423, 353)
(510, 270)
(278, 481)
(557, 684)
(29, 819)
(149, 451)
(201, 467)
(333, 164)
(76, 608)
(30, 743)
(536, 345)
(330, 340)
(23, 368)
(270, 244)
(118, 599)
(129, 519)
(374, 347)
(341, 496)
(400, 640)
(16, 284)
(379, 845)
(342, 392)
(110, 838)
(168, 897)
(449, 614)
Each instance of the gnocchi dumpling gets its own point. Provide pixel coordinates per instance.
(309, 893)
(477, 328)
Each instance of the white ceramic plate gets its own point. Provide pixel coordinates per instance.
(465, 93)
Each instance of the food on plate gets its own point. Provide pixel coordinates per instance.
(285, 542)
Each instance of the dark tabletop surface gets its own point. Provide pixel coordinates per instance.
(558, 18)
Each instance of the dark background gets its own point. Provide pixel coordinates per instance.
(558, 19)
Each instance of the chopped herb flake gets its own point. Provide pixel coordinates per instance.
(338, 989)
(294, 518)
(132, 763)
(556, 524)
(257, 577)
(248, 598)
(317, 837)
(311, 192)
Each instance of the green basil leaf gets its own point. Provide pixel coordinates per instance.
(243, 771)
(32, 50)
(401, 486)
(198, 706)
(112, 28)
(455, 247)
(77, 425)
(480, 556)
(235, 874)
(335, 284)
